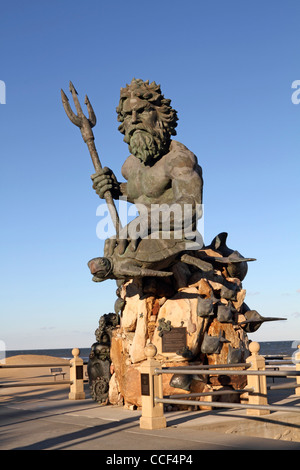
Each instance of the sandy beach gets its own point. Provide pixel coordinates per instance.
(32, 375)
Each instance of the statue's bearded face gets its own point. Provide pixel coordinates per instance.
(147, 120)
(144, 133)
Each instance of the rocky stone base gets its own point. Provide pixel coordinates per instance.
(208, 308)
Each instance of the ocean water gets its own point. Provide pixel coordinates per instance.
(62, 353)
(285, 348)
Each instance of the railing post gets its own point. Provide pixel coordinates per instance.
(257, 382)
(151, 386)
(76, 377)
(297, 357)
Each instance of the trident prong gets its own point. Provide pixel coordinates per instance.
(86, 124)
(76, 100)
(92, 115)
(72, 116)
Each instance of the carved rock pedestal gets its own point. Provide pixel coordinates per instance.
(190, 323)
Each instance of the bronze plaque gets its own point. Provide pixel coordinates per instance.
(174, 340)
(145, 384)
(79, 372)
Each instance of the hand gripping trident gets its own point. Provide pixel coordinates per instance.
(85, 124)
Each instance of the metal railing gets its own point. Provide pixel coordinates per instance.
(76, 381)
(255, 392)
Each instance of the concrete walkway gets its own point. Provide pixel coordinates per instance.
(47, 420)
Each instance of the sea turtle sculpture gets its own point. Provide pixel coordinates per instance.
(150, 258)
(153, 256)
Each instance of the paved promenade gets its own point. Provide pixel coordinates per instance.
(46, 420)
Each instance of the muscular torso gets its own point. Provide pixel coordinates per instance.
(175, 177)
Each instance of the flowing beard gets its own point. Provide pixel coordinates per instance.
(146, 146)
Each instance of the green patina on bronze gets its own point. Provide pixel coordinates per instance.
(161, 172)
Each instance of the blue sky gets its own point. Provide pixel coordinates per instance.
(228, 68)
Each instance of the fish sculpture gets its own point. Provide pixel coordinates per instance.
(212, 344)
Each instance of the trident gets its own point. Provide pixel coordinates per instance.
(85, 124)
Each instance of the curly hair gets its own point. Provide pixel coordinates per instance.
(151, 93)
